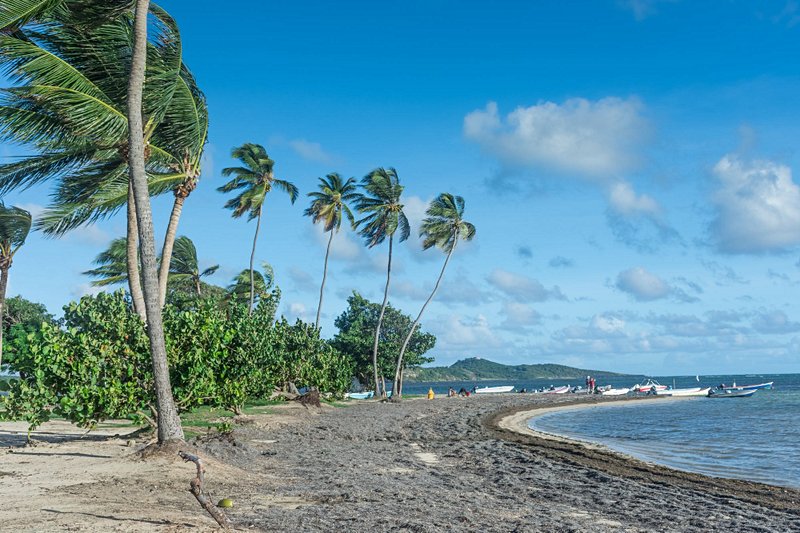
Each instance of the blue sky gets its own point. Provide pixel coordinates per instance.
(631, 168)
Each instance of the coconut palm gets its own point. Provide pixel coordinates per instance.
(443, 227)
(185, 267)
(239, 290)
(254, 179)
(69, 108)
(169, 422)
(15, 224)
(111, 265)
(384, 215)
(327, 206)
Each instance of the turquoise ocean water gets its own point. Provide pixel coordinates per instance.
(754, 438)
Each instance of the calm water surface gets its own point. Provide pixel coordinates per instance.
(752, 438)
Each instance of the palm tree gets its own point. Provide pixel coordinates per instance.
(15, 224)
(384, 216)
(443, 227)
(111, 265)
(327, 206)
(239, 290)
(255, 179)
(169, 422)
(184, 266)
(69, 109)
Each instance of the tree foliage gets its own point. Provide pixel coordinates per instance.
(97, 366)
(355, 337)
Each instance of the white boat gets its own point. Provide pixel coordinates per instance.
(492, 390)
(558, 390)
(649, 386)
(360, 395)
(694, 391)
(731, 393)
(751, 387)
(615, 392)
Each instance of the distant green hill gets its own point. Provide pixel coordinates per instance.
(477, 369)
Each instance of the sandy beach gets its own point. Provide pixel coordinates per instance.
(449, 464)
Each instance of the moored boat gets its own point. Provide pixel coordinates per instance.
(649, 386)
(731, 393)
(360, 395)
(558, 390)
(491, 390)
(615, 392)
(758, 386)
(694, 391)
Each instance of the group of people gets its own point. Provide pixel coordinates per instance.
(451, 392)
(590, 384)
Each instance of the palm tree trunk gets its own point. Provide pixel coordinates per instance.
(398, 372)
(134, 278)
(252, 261)
(380, 320)
(197, 286)
(324, 275)
(169, 423)
(169, 242)
(3, 285)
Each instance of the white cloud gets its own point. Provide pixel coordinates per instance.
(85, 289)
(643, 8)
(597, 139)
(310, 150)
(522, 288)
(295, 310)
(757, 207)
(459, 332)
(303, 280)
(408, 290)
(345, 246)
(34, 209)
(624, 200)
(642, 285)
(519, 315)
(414, 207)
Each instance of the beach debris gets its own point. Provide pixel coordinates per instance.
(311, 398)
(196, 488)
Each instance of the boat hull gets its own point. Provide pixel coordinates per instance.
(615, 392)
(752, 387)
(360, 395)
(695, 391)
(559, 390)
(728, 393)
(494, 390)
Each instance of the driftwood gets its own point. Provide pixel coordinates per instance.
(196, 488)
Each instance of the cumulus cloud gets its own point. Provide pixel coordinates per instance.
(414, 207)
(757, 207)
(775, 323)
(624, 200)
(596, 139)
(345, 246)
(295, 310)
(522, 288)
(519, 316)
(310, 150)
(464, 332)
(644, 286)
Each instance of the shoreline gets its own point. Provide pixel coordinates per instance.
(417, 465)
(511, 425)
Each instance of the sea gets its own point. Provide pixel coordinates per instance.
(753, 438)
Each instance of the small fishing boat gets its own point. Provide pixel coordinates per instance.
(694, 391)
(558, 390)
(649, 386)
(493, 390)
(758, 386)
(615, 392)
(360, 395)
(731, 393)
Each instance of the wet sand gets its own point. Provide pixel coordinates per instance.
(466, 464)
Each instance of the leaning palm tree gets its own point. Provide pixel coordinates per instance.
(69, 109)
(255, 179)
(111, 265)
(327, 206)
(384, 215)
(184, 266)
(169, 422)
(239, 290)
(443, 227)
(15, 224)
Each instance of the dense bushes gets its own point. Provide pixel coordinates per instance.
(98, 366)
